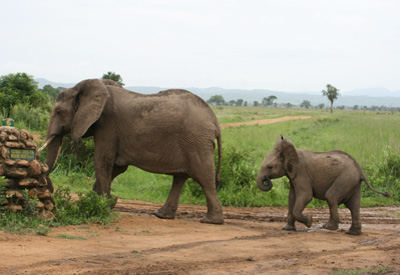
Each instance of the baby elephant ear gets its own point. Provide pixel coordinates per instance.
(278, 143)
(291, 158)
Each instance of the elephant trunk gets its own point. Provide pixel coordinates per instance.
(261, 185)
(53, 151)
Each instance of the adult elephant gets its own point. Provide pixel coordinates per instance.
(172, 132)
(331, 176)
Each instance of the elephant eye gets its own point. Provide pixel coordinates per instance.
(270, 167)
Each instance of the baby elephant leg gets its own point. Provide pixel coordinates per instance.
(301, 201)
(354, 206)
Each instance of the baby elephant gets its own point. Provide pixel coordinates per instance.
(332, 176)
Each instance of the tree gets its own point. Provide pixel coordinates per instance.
(19, 88)
(239, 102)
(256, 103)
(268, 101)
(288, 105)
(331, 93)
(49, 90)
(305, 104)
(113, 76)
(321, 106)
(216, 99)
(232, 102)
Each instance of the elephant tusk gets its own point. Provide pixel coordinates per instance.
(46, 144)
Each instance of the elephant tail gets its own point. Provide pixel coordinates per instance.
(219, 142)
(364, 178)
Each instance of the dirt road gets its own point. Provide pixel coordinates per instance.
(250, 242)
(264, 121)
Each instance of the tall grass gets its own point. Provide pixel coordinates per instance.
(371, 138)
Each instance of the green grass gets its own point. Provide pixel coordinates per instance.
(372, 138)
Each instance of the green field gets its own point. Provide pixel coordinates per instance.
(372, 138)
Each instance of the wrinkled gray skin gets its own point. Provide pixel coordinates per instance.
(172, 132)
(331, 176)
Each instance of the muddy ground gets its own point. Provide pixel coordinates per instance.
(250, 242)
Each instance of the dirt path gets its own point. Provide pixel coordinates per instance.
(263, 121)
(250, 242)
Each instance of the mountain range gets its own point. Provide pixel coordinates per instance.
(377, 96)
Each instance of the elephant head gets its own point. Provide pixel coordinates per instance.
(76, 109)
(282, 161)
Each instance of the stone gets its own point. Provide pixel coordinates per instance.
(44, 167)
(4, 152)
(14, 193)
(33, 193)
(9, 162)
(12, 138)
(17, 173)
(24, 171)
(13, 208)
(24, 135)
(39, 205)
(48, 205)
(12, 144)
(30, 144)
(34, 168)
(44, 195)
(28, 182)
(22, 162)
(42, 180)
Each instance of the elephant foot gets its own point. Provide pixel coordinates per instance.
(289, 227)
(309, 222)
(212, 220)
(354, 232)
(163, 215)
(330, 226)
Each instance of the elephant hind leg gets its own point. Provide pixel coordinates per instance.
(168, 210)
(353, 204)
(214, 209)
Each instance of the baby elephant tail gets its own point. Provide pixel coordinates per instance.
(364, 178)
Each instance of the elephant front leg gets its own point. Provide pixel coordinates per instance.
(290, 226)
(168, 210)
(103, 165)
(301, 201)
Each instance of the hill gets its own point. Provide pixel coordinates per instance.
(361, 97)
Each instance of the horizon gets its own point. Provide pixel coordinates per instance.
(289, 46)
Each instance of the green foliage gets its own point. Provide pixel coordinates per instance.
(113, 76)
(76, 157)
(89, 208)
(31, 118)
(217, 99)
(19, 88)
(52, 92)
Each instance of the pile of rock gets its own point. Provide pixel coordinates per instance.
(20, 165)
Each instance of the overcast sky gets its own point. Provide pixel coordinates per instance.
(294, 45)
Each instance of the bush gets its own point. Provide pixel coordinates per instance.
(89, 208)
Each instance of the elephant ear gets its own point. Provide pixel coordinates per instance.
(278, 144)
(291, 158)
(91, 97)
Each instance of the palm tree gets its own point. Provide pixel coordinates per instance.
(332, 93)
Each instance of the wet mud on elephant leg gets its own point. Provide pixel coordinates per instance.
(168, 210)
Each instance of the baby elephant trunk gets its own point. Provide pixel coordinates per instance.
(261, 179)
